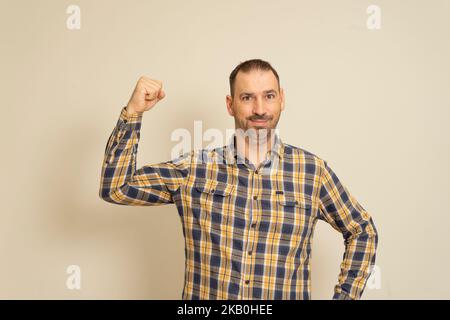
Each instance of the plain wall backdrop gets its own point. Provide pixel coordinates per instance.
(373, 103)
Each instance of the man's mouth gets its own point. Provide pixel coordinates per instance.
(259, 120)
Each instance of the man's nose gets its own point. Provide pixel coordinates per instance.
(258, 107)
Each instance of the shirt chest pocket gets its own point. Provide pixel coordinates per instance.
(294, 213)
(291, 199)
(212, 198)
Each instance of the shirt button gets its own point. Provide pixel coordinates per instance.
(255, 197)
(253, 225)
(250, 253)
(247, 281)
(125, 121)
(256, 171)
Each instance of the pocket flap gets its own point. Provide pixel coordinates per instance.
(292, 199)
(213, 187)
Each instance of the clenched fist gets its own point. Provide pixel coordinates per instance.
(146, 94)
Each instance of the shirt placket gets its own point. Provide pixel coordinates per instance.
(246, 279)
(255, 192)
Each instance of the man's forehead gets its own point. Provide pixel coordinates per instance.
(256, 81)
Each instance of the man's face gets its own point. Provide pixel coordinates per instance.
(257, 102)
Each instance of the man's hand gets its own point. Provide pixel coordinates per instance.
(146, 94)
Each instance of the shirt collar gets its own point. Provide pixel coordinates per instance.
(276, 150)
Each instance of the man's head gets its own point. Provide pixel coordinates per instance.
(256, 99)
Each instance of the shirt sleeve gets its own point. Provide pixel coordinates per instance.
(345, 214)
(121, 183)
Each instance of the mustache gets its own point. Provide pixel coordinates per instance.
(257, 117)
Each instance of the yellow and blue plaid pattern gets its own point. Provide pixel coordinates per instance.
(248, 233)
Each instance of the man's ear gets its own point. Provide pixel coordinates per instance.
(282, 98)
(229, 101)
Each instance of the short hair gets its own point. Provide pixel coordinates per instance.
(249, 65)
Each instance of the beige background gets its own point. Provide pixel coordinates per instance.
(373, 103)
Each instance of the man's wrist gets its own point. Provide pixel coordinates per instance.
(128, 118)
(131, 112)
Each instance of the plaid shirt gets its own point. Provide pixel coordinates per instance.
(248, 233)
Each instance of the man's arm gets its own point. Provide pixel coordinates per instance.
(343, 212)
(120, 182)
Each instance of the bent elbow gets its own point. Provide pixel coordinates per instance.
(107, 195)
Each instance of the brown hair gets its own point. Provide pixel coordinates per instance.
(249, 65)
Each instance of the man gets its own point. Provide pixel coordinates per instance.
(248, 216)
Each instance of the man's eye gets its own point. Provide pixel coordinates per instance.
(245, 98)
(271, 95)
